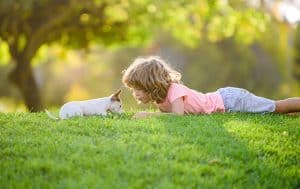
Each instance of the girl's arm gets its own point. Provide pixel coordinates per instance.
(176, 109)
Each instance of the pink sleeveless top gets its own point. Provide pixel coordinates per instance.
(194, 101)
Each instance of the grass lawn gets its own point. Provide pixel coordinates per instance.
(208, 151)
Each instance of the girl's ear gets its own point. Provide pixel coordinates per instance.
(116, 96)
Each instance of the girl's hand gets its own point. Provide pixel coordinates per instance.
(140, 115)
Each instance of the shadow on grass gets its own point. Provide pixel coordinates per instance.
(232, 151)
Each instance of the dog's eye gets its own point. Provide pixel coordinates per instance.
(120, 106)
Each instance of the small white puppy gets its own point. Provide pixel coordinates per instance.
(99, 106)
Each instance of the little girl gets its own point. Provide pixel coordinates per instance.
(151, 79)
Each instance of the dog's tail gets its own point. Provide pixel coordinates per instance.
(50, 115)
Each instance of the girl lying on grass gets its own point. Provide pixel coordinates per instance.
(151, 79)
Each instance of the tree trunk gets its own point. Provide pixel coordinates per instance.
(22, 76)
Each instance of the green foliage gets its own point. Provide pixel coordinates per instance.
(245, 27)
(211, 151)
(77, 23)
(5, 56)
(41, 55)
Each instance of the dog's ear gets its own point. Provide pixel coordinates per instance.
(116, 96)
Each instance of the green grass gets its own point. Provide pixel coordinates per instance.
(208, 151)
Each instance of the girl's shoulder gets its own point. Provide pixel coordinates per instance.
(177, 88)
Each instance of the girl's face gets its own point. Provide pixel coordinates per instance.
(141, 96)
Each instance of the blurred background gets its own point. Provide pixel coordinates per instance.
(54, 51)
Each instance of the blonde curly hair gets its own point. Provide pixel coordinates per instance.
(151, 75)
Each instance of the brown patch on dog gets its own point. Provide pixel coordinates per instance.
(116, 96)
